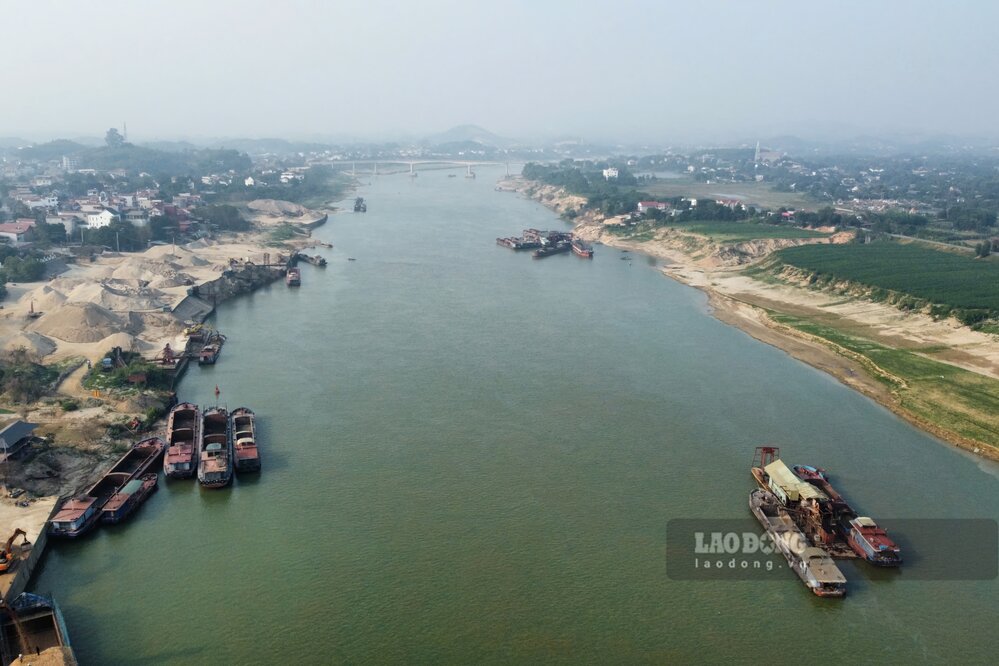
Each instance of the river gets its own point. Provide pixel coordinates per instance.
(470, 455)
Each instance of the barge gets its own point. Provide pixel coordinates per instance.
(360, 206)
(293, 278)
(128, 498)
(861, 533)
(79, 514)
(244, 437)
(183, 435)
(811, 564)
(215, 451)
(33, 626)
(582, 249)
(552, 248)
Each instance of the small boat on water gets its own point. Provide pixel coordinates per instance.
(293, 278)
(215, 453)
(79, 514)
(244, 437)
(183, 435)
(360, 206)
(33, 626)
(582, 249)
(813, 566)
(873, 543)
(128, 498)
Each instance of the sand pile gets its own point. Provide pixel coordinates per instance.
(78, 322)
(35, 343)
(45, 298)
(125, 341)
(277, 208)
(154, 325)
(118, 299)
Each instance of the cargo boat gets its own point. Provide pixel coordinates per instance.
(293, 278)
(812, 565)
(215, 452)
(861, 533)
(872, 543)
(79, 514)
(128, 498)
(518, 243)
(552, 248)
(33, 625)
(209, 353)
(183, 435)
(244, 437)
(582, 249)
(360, 206)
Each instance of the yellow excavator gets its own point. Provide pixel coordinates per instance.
(6, 556)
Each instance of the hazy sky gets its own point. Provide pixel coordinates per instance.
(605, 70)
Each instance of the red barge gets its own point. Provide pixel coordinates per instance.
(244, 437)
(79, 514)
(183, 435)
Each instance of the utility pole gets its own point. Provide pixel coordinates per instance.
(117, 243)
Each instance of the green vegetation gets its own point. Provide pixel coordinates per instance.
(285, 231)
(21, 378)
(21, 269)
(762, 195)
(952, 398)
(320, 186)
(156, 376)
(954, 283)
(738, 232)
(224, 217)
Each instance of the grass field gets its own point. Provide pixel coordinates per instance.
(738, 232)
(760, 194)
(936, 276)
(951, 398)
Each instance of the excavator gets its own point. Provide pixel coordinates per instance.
(6, 556)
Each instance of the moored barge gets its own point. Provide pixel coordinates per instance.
(293, 278)
(552, 248)
(811, 564)
(183, 435)
(215, 452)
(244, 437)
(79, 514)
(33, 625)
(128, 498)
(582, 249)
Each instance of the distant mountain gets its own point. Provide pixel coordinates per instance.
(169, 146)
(12, 142)
(463, 134)
(52, 150)
(271, 146)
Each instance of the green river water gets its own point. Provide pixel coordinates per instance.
(472, 456)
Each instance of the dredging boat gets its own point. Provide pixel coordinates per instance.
(210, 353)
(33, 627)
(79, 514)
(293, 278)
(215, 452)
(582, 249)
(813, 566)
(244, 437)
(861, 533)
(128, 498)
(183, 435)
(552, 248)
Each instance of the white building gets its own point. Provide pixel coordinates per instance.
(102, 219)
(249, 182)
(610, 173)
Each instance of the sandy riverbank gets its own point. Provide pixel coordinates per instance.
(137, 301)
(742, 301)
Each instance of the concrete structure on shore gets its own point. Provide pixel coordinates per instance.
(33, 519)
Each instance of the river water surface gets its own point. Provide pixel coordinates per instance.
(470, 455)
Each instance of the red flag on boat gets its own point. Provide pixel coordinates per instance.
(217, 391)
